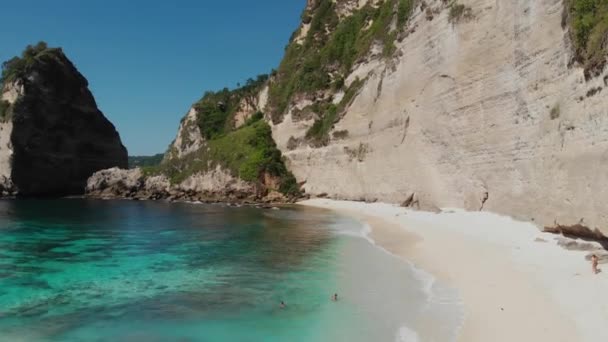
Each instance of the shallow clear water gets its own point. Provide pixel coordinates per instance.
(81, 270)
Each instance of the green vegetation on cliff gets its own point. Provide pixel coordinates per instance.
(248, 152)
(216, 108)
(318, 134)
(588, 20)
(16, 67)
(323, 58)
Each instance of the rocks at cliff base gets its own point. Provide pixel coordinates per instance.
(215, 186)
(577, 245)
(418, 202)
(274, 197)
(53, 136)
(115, 182)
(120, 183)
(410, 201)
(7, 188)
(578, 231)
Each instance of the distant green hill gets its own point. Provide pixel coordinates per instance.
(141, 161)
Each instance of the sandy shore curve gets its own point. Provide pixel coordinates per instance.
(516, 283)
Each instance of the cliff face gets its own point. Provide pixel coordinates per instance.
(480, 107)
(53, 136)
(476, 104)
(223, 151)
(210, 186)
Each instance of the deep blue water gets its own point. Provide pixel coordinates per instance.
(84, 270)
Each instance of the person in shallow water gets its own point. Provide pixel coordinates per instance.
(282, 305)
(334, 297)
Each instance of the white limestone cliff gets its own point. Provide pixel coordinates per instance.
(483, 114)
(10, 93)
(188, 139)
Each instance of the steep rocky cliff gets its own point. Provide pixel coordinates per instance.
(52, 136)
(223, 151)
(483, 105)
(477, 104)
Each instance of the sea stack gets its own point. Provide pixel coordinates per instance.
(52, 135)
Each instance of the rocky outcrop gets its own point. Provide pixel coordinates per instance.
(218, 182)
(485, 113)
(216, 185)
(223, 152)
(188, 139)
(121, 183)
(481, 106)
(53, 136)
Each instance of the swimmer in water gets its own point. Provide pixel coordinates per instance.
(334, 297)
(282, 305)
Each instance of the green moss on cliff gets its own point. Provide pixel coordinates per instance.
(588, 21)
(332, 47)
(318, 133)
(329, 114)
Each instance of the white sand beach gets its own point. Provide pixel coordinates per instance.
(516, 283)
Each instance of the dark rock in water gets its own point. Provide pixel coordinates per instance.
(58, 136)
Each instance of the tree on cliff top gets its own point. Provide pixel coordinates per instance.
(17, 66)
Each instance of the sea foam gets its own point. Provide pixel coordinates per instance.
(438, 297)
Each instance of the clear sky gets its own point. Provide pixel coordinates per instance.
(148, 61)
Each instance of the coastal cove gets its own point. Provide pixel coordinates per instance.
(304, 170)
(90, 270)
(516, 283)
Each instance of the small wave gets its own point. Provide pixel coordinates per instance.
(434, 292)
(364, 233)
(406, 334)
(427, 280)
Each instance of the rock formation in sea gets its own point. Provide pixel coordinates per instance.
(52, 135)
(476, 104)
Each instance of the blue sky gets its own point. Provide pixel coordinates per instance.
(148, 61)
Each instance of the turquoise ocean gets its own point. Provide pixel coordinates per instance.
(87, 270)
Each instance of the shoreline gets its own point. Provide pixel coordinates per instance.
(516, 283)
